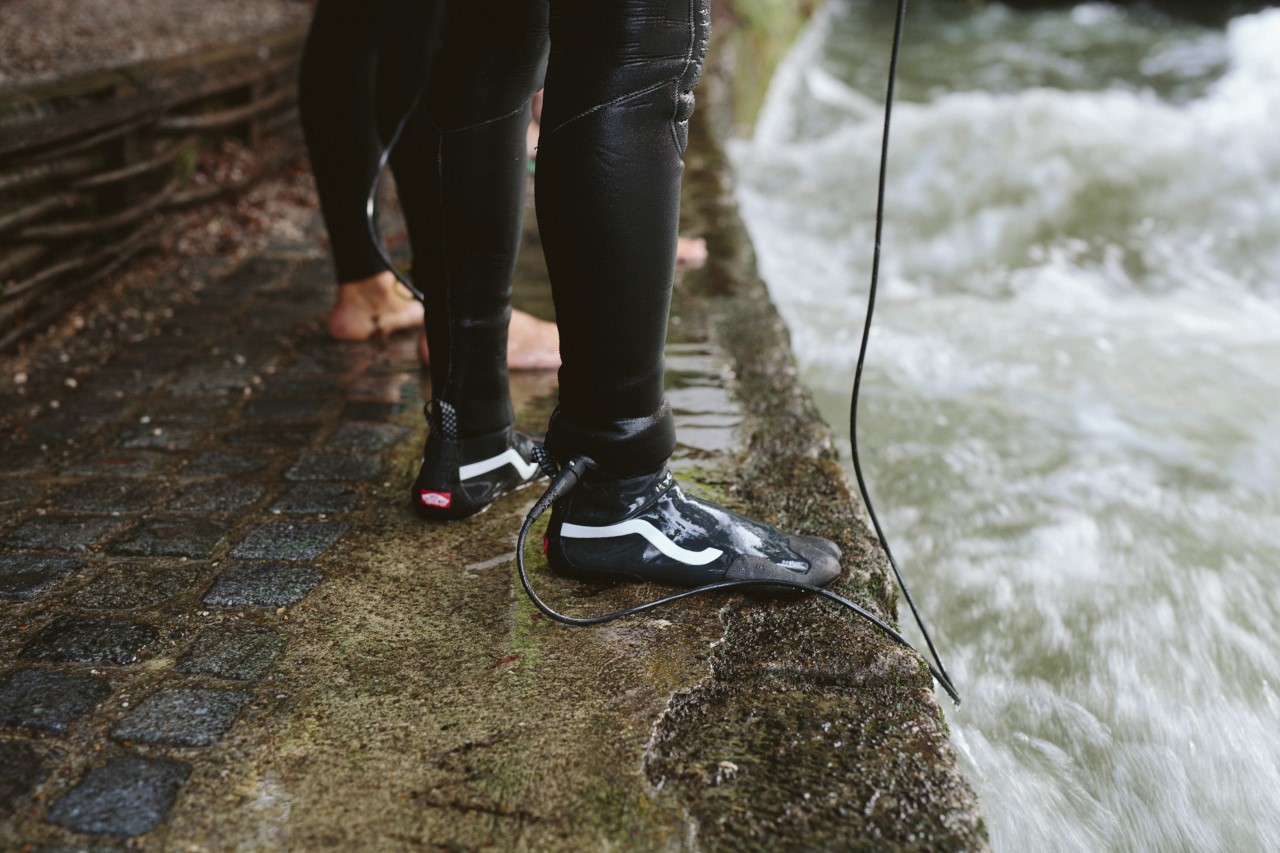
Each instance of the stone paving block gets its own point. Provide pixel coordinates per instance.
(289, 540)
(108, 496)
(155, 437)
(16, 493)
(173, 536)
(283, 409)
(23, 770)
(127, 796)
(68, 640)
(122, 380)
(57, 532)
(242, 653)
(44, 699)
(334, 466)
(262, 585)
(313, 498)
(216, 382)
(20, 461)
(312, 386)
(367, 437)
(134, 584)
(272, 435)
(216, 496)
(181, 717)
(25, 575)
(94, 410)
(121, 464)
(376, 388)
(224, 463)
(366, 410)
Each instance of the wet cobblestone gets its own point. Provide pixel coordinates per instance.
(181, 717)
(135, 584)
(334, 466)
(236, 653)
(46, 699)
(217, 496)
(290, 540)
(25, 575)
(56, 532)
(23, 768)
(108, 496)
(315, 498)
(68, 640)
(173, 536)
(223, 463)
(127, 796)
(262, 585)
(367, 437)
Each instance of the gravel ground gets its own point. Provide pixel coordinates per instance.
(42, 40)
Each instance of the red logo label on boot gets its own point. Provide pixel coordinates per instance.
(439, 500)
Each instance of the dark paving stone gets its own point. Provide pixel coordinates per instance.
(23, 770)
(95, 410)
(122, 464)
(127, 796)
(25, 575)
(224, 463)
(313, 498)
(365, 410)
(68, 640)
(375, 388)
(240, 653)
(289, 540)
(283, 409)
(107, 496)
(262, 585)
(273, 435)
(43, 699)
(299, 386)
(367, 437)
(257, 272)
(334, 466)
(158, 438)
(173, 536)
(20, 461)
(181, 717)
(125, 586)
(216, 496)
(274, 319)
(118, 381)
(216, 382)
(56, 532)
(16, 493)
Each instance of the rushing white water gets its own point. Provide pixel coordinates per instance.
(1071, 414)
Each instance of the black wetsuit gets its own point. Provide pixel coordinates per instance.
(363, 64)
(619, 80)
(614, 125)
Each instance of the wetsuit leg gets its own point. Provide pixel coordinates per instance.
(614, 128)
(471, 137)
(362, 66)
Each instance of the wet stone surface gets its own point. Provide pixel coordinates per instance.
(137, 584)
(127, 796)
(23, 768)
(289, 540)
(313, 498)
(282, 435)
(173, 536)
(25, 575)
(181, 717)
(123, 464)
(88, 642)
(237, 653)
(223, 463)
(334, 466)
(158, 438)
(56, 532)
(46, 699)
(262, 585)
(367, 410)
(15, 493)
(216, 496)
(367, 437)
(284, 409)
(108, 496)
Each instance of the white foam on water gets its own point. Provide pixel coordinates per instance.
(1072, 412)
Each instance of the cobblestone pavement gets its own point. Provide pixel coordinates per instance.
(160, 512)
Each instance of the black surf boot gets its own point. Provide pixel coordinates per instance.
(462, 476)
(645, 527)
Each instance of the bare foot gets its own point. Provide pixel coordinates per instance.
(532, 344)
(377, 305)
(691, 252)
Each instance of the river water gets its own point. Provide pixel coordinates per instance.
(1071, 413)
